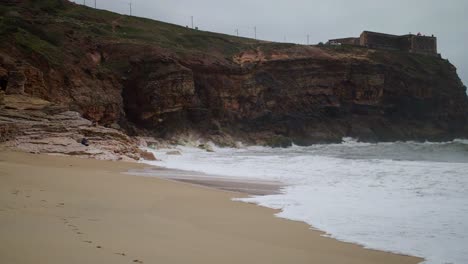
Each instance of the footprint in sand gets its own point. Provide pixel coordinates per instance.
(74, 228)
(67, 222)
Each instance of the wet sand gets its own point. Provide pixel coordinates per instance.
(248, 186)
(67, 210)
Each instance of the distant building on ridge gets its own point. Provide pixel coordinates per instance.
(409, 43)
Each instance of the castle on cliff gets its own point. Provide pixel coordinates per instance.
(410, 43)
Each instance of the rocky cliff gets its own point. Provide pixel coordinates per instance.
(152, 78)
(34, 125)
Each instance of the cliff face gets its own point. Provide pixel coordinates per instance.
(320, 97)
(151, 77)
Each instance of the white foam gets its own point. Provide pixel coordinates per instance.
(404, 197)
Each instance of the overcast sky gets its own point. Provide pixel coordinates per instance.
(293, 20)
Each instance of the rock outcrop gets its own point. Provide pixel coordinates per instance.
(38, 126)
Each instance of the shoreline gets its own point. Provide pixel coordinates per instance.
(161, 220)
(257, 187)
(244, 188)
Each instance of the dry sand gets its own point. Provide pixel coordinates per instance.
(66, 210)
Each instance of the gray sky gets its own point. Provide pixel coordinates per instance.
(294, 19)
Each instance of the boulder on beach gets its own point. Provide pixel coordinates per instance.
(146, 155)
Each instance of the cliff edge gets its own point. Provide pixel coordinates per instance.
(152, 78)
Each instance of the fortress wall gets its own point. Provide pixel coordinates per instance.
(407, 43)
(422, 44)
(379, 40)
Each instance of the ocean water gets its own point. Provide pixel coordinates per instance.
(403, 197)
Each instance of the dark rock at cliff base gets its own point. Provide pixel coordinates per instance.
(206, 147)
(2, 99)
(279, 142)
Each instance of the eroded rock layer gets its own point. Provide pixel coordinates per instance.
(34, 125)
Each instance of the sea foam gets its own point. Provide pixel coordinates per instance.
(403, 197)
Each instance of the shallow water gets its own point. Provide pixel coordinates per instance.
(404, 197)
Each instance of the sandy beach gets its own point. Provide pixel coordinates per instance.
(67, 210)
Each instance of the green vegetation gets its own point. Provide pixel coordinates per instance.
(7, 27)
(55, 17)
(30, 37)
(56, 29)
(49, 6)
(44, 27)
(112, 26)
(33, 44)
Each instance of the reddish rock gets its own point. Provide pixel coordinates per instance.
(16, 81)
(146, 155)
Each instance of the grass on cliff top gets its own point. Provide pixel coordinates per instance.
(126, 29)
(50, 15)
(30, 38)
(180, 39)
(42, 26)
(32, 44)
